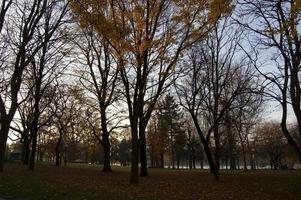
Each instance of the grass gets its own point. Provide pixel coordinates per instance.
(79, 181)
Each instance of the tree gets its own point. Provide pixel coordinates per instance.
(170, 123)
(27, 14)
(271, 143)
(193, 144)
(67, 103)
(46, 62)
(212, 81)
(4, 8)
(148, 38)
(276, 25)
(245, 116)
(100, 79)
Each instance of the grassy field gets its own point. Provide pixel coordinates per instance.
(88, 182)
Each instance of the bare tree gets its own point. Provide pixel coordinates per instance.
(276, 25)
(66, 103)
(212, 82)
(4, 8)
(98, 74)
(23, 22)
(247, 112)
(47, 65)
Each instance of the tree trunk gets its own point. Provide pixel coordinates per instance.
(57, 154)
(105, 142)
(4, 129)
(190, 158)
(25, 150)
(244, 157)
(106, 153)
(283, 125)
(3, 140)
(209, 158)
(205, 145)
(161, 160)
(143, 157)
(58, 149)
(193, 158)
(134, 177)
(33, 148)
(216, 153)
(202, 160)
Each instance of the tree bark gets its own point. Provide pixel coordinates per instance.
(134, 177)
(25, 151)
(161, 160)
(216, 153)
(3, 140)
(33, 149)
(106, 153)
(58, 150)
(143, 157)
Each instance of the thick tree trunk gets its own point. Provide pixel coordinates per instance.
(33, 148)
(143, 157)
(216, 153)
(209, 158)
(134, 178)
(161, 160)
(244, 158)
(106, 153)
(238, 164)
(290, 140)
(25, 151)
(283, 125)
(105, 142)
(4, 129)
(58, 153)
(3, 141)
(25, 148)
(58, 148)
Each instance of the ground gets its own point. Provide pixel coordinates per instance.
(88, 182)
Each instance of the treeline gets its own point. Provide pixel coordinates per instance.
(187, 80)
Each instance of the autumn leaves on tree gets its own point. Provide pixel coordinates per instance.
(147, 38)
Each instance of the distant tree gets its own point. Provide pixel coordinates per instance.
(193, 144)
(155, 146)
(245, 117)
(271, 143)
(67, 111)
(170, 120)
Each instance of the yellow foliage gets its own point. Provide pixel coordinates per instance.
(142, 27)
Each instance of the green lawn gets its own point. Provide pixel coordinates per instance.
(79, 181)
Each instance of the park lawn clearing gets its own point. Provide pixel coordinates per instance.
(82, 181)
